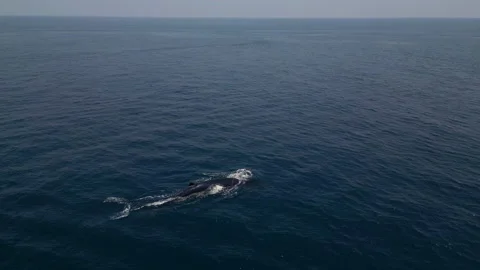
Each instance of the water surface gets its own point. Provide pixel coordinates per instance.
(363, 137)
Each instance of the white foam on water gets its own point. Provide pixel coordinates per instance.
(115, 200)
(215, 189)
(241, 174)
(126, 210)
(124, 213)
(161, 202)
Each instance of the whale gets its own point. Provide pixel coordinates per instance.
(197, 188)
(214, 185)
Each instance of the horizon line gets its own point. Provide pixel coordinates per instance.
(238, 18)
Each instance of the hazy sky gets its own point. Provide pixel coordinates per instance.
(245, 8)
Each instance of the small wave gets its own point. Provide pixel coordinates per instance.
(213, 174)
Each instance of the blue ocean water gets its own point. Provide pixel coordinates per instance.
(363, 137)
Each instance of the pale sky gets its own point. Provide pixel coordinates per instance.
(244, 8)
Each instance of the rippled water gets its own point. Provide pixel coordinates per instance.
(363, 137)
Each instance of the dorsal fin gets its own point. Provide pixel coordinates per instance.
(191, 184)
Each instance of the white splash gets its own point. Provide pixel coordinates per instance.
(215, 189)
(126, 210)
(241, 174)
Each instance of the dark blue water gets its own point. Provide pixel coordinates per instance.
(363, 137)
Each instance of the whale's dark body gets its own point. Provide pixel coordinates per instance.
(206, 188)
(203, 186)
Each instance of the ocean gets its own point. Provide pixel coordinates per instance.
(362, 138)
